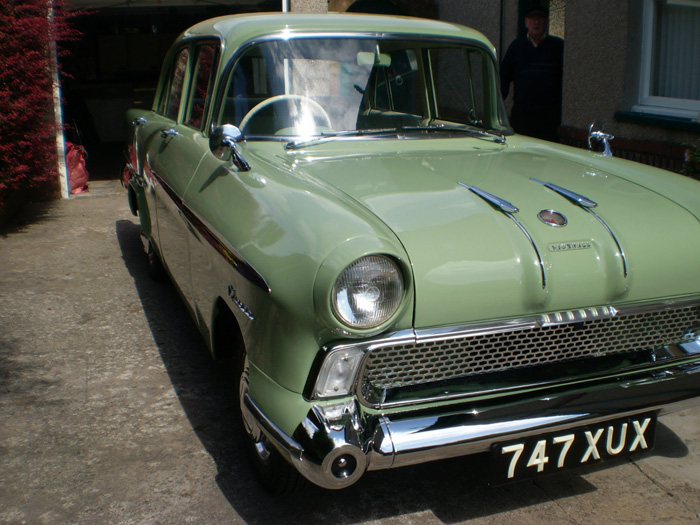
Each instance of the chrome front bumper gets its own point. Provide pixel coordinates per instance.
(335, 445)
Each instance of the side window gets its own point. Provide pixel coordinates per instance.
(177, 81)
(248, 86)
(398, 86)
(203, 80)
(459, 84)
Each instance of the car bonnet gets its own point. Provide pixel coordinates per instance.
(474, 260)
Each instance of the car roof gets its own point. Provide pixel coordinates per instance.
(238, 29)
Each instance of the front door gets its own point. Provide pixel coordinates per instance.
(177, 152)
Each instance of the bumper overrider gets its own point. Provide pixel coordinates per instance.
(335, 445)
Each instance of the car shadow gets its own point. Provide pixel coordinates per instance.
(452, 490)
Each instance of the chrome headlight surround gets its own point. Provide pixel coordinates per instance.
(368, 292)
(340, 265)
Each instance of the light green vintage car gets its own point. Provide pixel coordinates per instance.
(346, 213)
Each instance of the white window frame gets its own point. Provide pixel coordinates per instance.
(647, 103)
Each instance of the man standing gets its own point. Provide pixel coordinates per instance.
(534, 64)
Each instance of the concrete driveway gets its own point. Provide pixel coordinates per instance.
(112, 411)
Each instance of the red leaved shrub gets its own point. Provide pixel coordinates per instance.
(27, 123)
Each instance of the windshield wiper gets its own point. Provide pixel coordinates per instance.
(328, 136)
(472, 130)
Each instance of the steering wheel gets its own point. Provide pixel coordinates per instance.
(279, 98)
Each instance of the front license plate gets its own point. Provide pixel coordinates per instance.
(578, 447)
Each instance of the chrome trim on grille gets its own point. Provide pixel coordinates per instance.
(427, 359)
(576, 316)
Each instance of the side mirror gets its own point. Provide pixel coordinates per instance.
(222, 144)
(598, 140)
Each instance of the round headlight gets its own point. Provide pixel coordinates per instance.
(368, 292)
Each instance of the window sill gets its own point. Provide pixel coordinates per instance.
(684, 124)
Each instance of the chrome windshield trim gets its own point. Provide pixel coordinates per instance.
(398, 133)
(227, 68)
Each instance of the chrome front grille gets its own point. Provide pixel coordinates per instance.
(475, 352)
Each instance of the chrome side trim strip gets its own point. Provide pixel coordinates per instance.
(586, 204)
(227, 251)
(509, 209)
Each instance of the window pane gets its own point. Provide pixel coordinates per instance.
(459, 84)
(676, 69)
(176, 82)
(309, 87)
(200, 89)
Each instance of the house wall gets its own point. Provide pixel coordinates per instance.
(601, 71)
(496, 19)
(308, 6)
(601, 78)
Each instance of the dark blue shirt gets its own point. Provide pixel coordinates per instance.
(536, 73)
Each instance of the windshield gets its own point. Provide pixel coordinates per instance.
(311, 87)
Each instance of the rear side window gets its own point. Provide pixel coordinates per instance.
(176, 84)
(199, 96)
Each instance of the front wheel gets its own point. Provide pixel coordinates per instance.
(271, 469)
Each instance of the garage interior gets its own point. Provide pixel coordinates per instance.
(115, 66)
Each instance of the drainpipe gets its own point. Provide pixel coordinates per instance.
(500, 44)
(285, 6)
(58, 114)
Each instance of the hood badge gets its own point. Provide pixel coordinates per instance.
(552, 218)
(574, 245)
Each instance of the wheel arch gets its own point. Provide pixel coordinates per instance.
(227, 341)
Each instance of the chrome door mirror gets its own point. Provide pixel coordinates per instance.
(598, 140)
(222, 143)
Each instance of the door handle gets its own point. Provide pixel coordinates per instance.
(170, 132)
